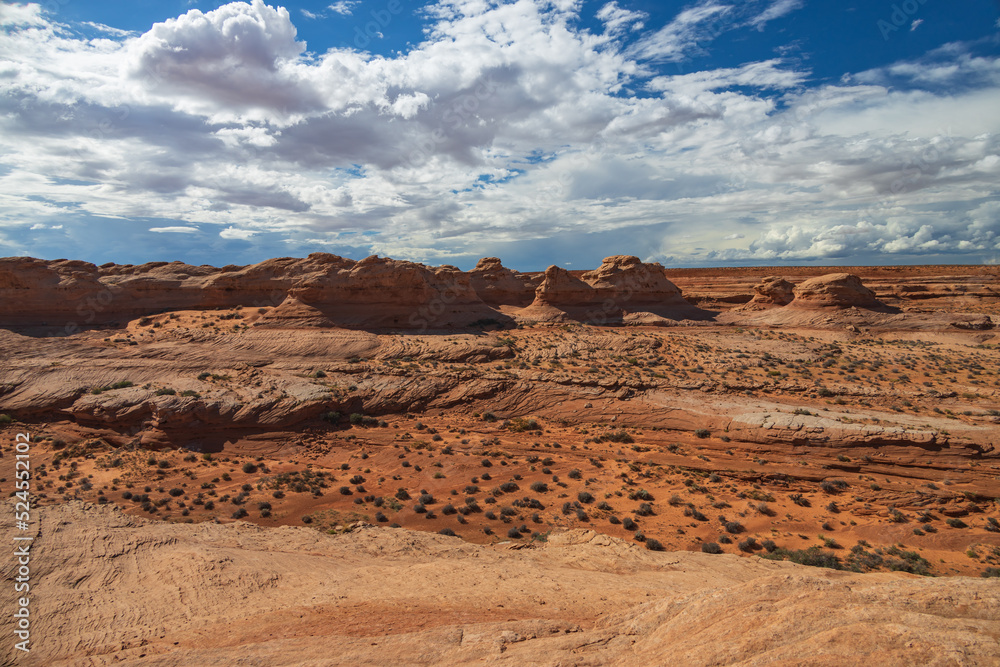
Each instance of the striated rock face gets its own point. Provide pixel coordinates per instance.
(835, 290)
(497, 285)
(773, 291)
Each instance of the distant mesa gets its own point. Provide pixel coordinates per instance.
(377, 293)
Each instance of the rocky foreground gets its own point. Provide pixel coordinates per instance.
(114, 589)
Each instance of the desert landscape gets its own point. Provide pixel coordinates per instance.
(329, 461)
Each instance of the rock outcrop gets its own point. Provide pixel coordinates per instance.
(499, 286)
(834, 290)
(773, 291)
(622, 289)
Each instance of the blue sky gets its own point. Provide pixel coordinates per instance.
(703, 133)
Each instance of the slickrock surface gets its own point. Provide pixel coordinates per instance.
(113, 589)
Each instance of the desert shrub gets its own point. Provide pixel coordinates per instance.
(514, 533)
(813, 556)
(585, 497)
(645, 509)
(617, 436)
(749, 544)
(539, 487)
(574, 474)
(614, 520)
(176, 492)
(449, 509)
(733, 527)
(401, 494)
(711, 548)
(991, 572)
(240, 513)
(520, 425)
(332, 416)
(581, 515)
(653, 545)
(6, 419)
(799, 500)
(249, 467)
(509, 487)
(629, 524)
(702, 433)
(956, 523)
(447, 531)
(642, 494)
(769, 546)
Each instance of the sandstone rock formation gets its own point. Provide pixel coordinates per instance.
(498, 286)
(773, 291)
(834, 290)
(108, 588)
(622, 289)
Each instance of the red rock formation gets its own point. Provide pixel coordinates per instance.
(834, 290)
(773, 291)
(497, 285)
(622, 289)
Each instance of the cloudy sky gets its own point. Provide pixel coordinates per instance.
(707, 133)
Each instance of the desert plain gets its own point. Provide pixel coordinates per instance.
(326, 461)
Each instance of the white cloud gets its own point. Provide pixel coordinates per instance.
(233, 233)
(617, 19)
(673, 42)
(915, 24)
(114, 32)
(310, 15)
(344, 7)
(507, 123)
(776, 10)
(21, 15)
(175, 230)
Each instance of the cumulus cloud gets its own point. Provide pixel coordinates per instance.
(508, 123)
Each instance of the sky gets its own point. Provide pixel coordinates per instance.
(706, 133)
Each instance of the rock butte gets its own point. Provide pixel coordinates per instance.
(850, 413)
(324, 290)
